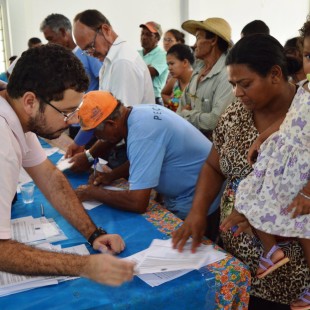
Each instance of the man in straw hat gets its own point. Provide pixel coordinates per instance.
(209, 92)
(165, 153)
(32, 106)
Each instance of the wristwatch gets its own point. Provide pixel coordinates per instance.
(98, 232)
(89, 156)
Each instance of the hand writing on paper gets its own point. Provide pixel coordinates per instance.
(235, 219)
(103, 179)
(195, 226)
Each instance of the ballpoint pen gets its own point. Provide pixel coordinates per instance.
(95, 165)
(42, 209)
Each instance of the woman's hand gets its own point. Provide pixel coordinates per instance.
(195, 226)
(236, 221)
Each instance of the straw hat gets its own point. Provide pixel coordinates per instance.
(216, 25)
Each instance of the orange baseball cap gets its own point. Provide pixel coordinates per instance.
(95, 108)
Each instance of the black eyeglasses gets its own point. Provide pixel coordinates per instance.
(91, 48)
(68, 116)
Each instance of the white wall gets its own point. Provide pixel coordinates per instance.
(284, 17)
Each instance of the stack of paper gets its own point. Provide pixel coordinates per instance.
(36, 230)
(161, 263)
(12, 283)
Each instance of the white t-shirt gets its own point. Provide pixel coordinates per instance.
(17, 149)
(126, 76)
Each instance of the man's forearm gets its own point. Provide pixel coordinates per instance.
(134, 201)
(18, 258)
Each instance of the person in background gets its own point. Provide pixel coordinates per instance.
(292, 47)
(180, 59)
(165, 153)
(255, 26)
(124, 74)
(34, 42)
(171, 37)
(32, 106)
(208, 92)
(57, 29)
(258, 71)
(154, 57)
(4, 76)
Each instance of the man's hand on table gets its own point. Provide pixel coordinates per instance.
(194, 225)
(80, 163)
(106, 269)
(236, 221)
(109, 243)
(85, 192)
(73, 149)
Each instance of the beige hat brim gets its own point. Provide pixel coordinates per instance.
(191, 26)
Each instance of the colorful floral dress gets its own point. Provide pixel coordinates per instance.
(281, 171)
(233, 136)
(175, 97)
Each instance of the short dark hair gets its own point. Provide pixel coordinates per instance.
(178, 35)
(260, 52)
(33, 41)
(47, 71)
(92, 19)
(182, 52)
(56, 22)
(256, 26)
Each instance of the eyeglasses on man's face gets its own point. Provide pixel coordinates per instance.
(67, 116)
(90, 49)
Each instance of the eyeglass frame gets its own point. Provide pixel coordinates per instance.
(68, 116)
(91, 48)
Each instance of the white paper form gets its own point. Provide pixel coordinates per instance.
(51, 150)
(36, 230)
(63, 163)
(161, 257)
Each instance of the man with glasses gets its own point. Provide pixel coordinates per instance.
(33, 105)
(154, 57)
(57, 29)
(124, 74)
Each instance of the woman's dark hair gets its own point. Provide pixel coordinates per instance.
(221, 43)
(178, 35)
(92, 19)
(182, 52)
(48, 71)
(260, 52)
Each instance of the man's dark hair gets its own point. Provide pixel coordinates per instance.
(56, 22)
(92, 19)
(47, 71)
(256, 26)
(33, 41)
